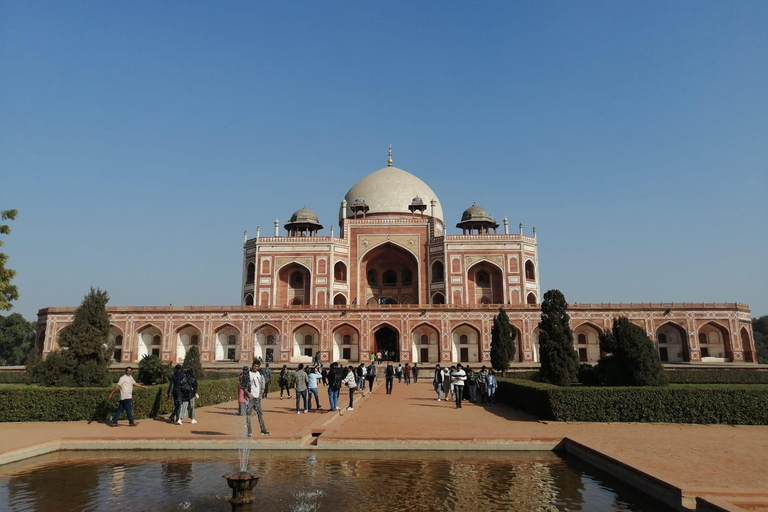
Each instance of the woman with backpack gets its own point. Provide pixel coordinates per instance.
(370, 376)
(242, 380)
(284, 382)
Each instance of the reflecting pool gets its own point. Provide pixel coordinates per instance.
(314, 481)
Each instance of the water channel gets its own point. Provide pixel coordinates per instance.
(315, 481)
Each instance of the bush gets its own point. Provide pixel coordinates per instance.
(152, 371)
(632, 359)
(32, 403)
(723, 376)
(14, 378)
(729, 404)
(192, 363)
(56, 370)
(559, 361)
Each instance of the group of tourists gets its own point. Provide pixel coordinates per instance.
(182, 386)
(451, 383)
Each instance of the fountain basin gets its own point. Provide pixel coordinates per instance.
(242, 484)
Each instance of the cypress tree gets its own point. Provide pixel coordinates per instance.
(559, 361)
(631, 360)
(192, 362)
(502, 342)
(86, 341)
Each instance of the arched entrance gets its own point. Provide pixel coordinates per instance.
(386, 343)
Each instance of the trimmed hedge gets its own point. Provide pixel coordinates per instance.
(731, 404)
(21, 377)
(724, 376)
(31, 403)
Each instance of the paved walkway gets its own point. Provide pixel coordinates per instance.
(725, 462)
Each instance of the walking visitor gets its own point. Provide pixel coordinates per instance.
(491, 385)
(351, 382)
(389, 377)
(174, 388)
(370, 376)
(300, 381)
(284, 381)
(242, 381)
(314, 378)
(458, 377)
(125, 385)
(407, 373)
(335, 378)
(437, 382)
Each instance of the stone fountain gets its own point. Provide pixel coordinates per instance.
(242, 484)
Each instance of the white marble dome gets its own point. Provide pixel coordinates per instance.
(391, 190)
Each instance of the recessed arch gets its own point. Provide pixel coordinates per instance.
(294, 281)
(485, 283)
(438, 272)
(746, 345)
(438, 298)
(531, 299)
(149, 341)
(387, 267)
(340, 272)
(716, 345)
(530, 271)
(339, 299)
(227, 342)
(586, 337)
(306, 343)
(465, 343)
(250, 273)
(266, 342)
(425, 340)
(387, 341)
(346, 342)
(672, 343)
(187, 336)
(249, 299)
(116, 340)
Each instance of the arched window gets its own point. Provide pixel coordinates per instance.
(340, 300)
(389, 278)
(582, 339)
(530, 271)
(270, 339)
(119, 340)
(483, 278)
(531, 299)
(407, 277)
(463, 339)
(346, 339)
(307, 339)
(194, 340)
(438, 272)
(297, 279)
(296, 302)
(265, 266)
(425, 339)
(438, 298)
(321, 266)
(702, 338)
(372, 277)
(249, 300)
(156, 340)
(340, 272)
(662, 338)
(250, 274)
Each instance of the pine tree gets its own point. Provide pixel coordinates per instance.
(87, 341)
(192, 362)
(559, 361)
(631, 360)
(502, 342)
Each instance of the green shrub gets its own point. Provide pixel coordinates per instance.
(152, 371)
(14, 378)
(56, 370)
(720, 376)
(729, 404)
(559, 361)
(192, 363)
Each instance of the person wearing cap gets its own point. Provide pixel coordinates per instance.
(242, 383)
(253, 390)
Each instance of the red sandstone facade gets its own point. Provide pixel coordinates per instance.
(394, 282)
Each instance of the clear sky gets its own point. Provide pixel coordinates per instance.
(140, 139)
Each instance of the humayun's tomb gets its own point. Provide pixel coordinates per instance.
(393, 281)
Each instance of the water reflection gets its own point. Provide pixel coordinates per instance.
(315, 481)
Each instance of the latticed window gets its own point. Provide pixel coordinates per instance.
(582, 339)
(463, 339)
(346, 339)
(425, 339)
(307, 339)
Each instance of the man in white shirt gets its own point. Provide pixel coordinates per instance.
(458, 376)
(125, 384)
(253, 392)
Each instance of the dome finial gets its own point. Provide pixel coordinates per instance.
(389, 161)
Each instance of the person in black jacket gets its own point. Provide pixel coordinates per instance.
(389, 375)
(174, 388)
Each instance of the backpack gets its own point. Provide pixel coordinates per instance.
(336, 379)
(186, 388)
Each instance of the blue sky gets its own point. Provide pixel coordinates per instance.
(140, 139)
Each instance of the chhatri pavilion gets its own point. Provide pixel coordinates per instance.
(393, 281)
